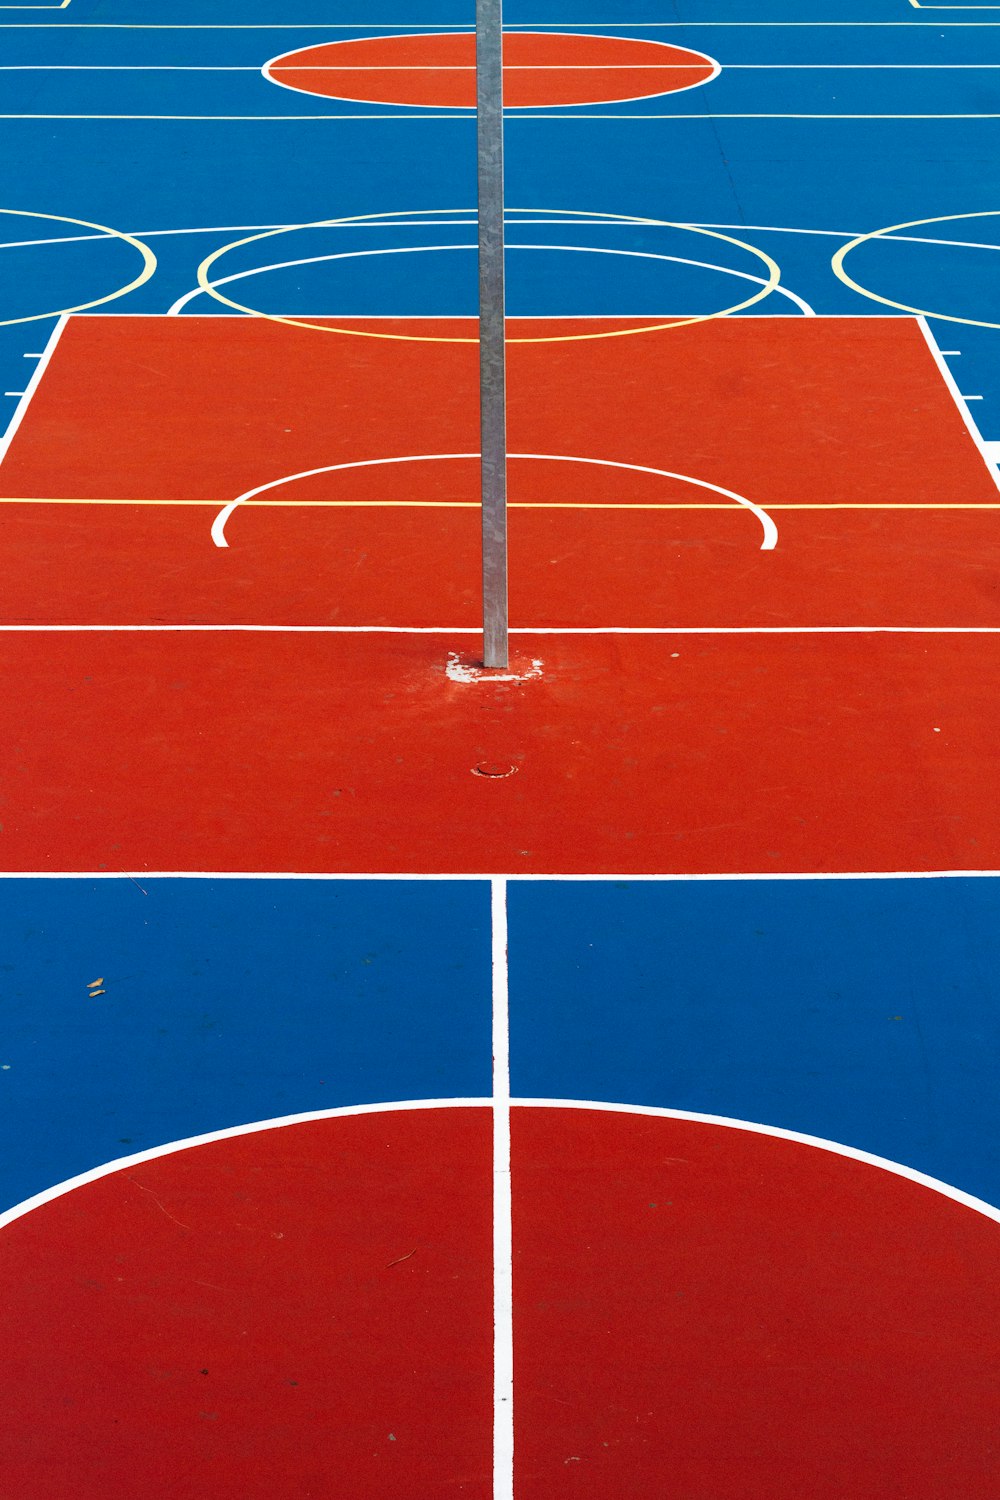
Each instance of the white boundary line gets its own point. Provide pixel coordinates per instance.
(650, 115)
(526, 630)
(958, 398)
(393, 113)
(513, 878)
(508, 67)
(761, 876)
(503, 1234)
(583, 218)
(363, 26)
(22, 406)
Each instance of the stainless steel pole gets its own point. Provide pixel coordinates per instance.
(492, 347)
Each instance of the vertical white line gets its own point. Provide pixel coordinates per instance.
(958, 399)
(503, 1242)
(32, 386)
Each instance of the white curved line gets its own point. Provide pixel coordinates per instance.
(726, 1122)
(219, 524)
(94, 1174)
(311, 260)
(769, 528)
(389, 104)
(835, 1148)
(680, 260)
(767, 524)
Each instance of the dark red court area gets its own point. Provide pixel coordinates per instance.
(700, 1310)
(731, 1314)
(185, 1326)
(357, 752)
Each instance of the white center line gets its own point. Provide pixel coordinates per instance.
(503, 1249)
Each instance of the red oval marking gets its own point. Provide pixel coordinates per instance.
(540, 69)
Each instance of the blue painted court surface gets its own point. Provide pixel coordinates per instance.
(850, 1000)
(813, 133)
(845, 1009)
(229, 1001)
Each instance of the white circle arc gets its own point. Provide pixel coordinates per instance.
(726, 1122)
(104, 233)
(768, 526)
(311, 260)
(209, 284)
(881, 234)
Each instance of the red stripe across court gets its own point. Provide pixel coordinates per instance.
(661, 754)
(540, 69)
(578, 568)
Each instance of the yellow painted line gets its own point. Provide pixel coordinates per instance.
(513, 505)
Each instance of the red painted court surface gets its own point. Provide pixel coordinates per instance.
(842, 1357)
(198, 1317)
(356, 752)
(347, 750)
(497, 1127)
(885, 508)
(540, 69)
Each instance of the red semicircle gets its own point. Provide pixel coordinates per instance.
(700, 1310)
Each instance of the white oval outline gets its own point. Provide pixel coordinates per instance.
(771, 265)
(767, 523)
(726, 1122)
(470, 109)
(176, 308)
(879, 234)
(105, 232)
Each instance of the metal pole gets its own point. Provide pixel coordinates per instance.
(492, 350)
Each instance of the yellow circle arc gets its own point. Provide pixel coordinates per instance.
(207, 285)
(877, 234)
(148, 265)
